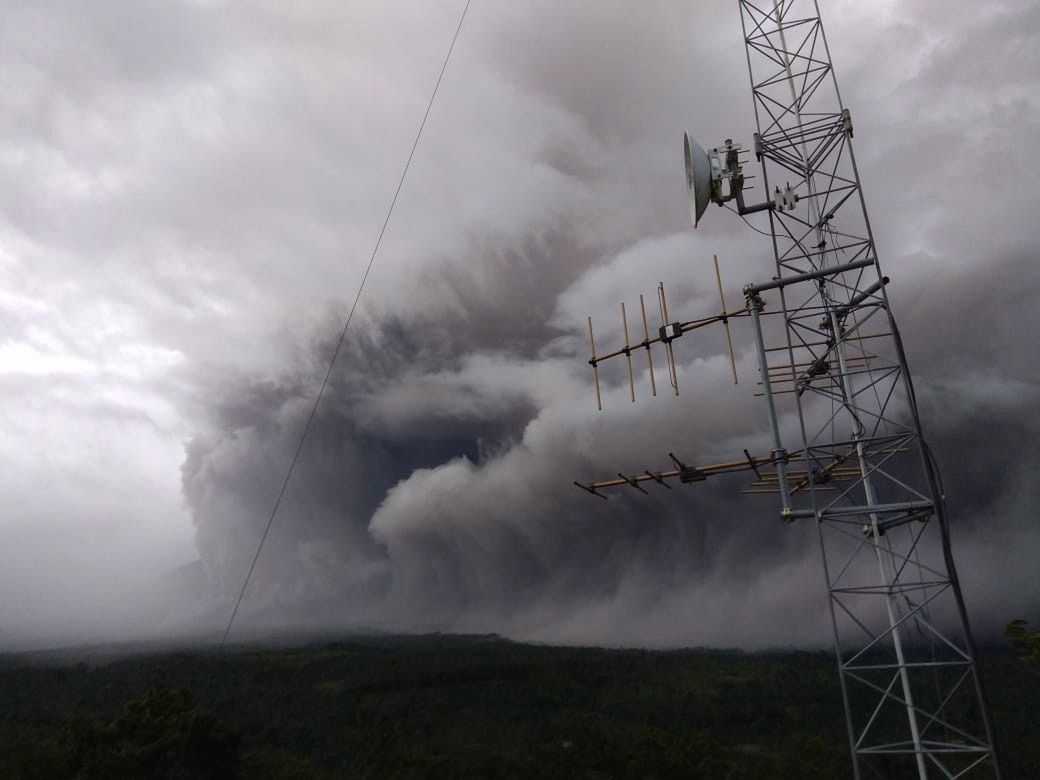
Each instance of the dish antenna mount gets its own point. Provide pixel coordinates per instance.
(718, 177)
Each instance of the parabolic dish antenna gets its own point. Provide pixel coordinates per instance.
(698, 177)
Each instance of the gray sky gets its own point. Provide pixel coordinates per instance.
(190, 192)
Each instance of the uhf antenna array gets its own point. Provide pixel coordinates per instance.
(666, 334)
(835, 380)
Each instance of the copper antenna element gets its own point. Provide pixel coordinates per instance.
(725, 320)
(825, 343)
(595, 367)
(649, 353)
(657, 478)
(634, 482)
(590, 490)
(628, 353)
(673, 375)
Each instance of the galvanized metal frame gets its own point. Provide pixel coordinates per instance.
(913, 696)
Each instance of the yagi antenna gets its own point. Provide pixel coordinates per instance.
(687, 474)
(668, 332)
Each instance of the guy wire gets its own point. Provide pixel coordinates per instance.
(343, 333)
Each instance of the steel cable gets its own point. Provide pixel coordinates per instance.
(343, 332)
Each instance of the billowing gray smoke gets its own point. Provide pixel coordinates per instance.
(190, 195)
(434, 490)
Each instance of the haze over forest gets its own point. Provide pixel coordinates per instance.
(192, 190)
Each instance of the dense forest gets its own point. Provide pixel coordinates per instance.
(451, 707)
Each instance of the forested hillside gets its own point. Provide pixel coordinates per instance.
(451, 707)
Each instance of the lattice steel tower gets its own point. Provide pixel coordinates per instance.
(847, 445)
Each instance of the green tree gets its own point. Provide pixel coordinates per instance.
(1027, 642)
(159, 735)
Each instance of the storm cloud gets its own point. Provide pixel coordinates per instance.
(192, 193)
